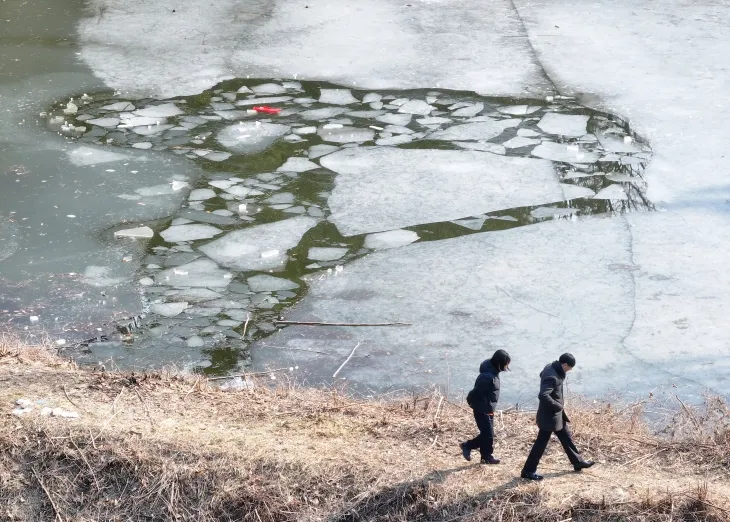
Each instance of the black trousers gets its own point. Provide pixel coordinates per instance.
(484, 442)
(543, 437)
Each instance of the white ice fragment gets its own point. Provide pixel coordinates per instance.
(269, 254)
(337, 96)
(201, 194)
(251, 136)
(371, 97)
(546, 212)
(198, 273)
(519, 110)
(395, 119)
(624, 178)
(570, 125)
(268, 88)
(142, 145)
(195, 342)
(243, 249)
(434, 120)
(346, 135)
(165, 110)
(149, 130)
(139, 232)
(104, 122)
(221, 183)
(305, 130)
(239, 191)
(322, 114)
(614, 192)
(244, 90)
(71, 108)
(326, 253)
(494, 148)
(195, 232)
(470, 111)
(34, 318)
(571, 191)
(146, 281)
(217, 156)
(332, 126)
(136, 121)
(474, 131)
(560, 152)
(471, 223)
(317, 151)
(417, 107)
(527, 133)
(519, 141)
(168, 309)
(266, 283)
(394, 140)
(119, 107)
(390, 239)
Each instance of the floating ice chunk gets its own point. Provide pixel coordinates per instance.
(179, 233)
(390, 239)
(398, 129)
(494, 148)
(471, 223)
(519, 110)
(83, 156)
(434, 120)
(504, 218)
(104, 122)
(322, 114)
(485, 130)
(519, 141)
(614, 191)
(251, 136)
(297, 165)
(364, 114)
(282, 197)
(268, 88)
(571, 191)
(372, 97)
(426, 186)
(624, 178)
(305, 130)
(527, 133)
(201, 194)
(239, 191)
(195, 293)
(142, 145)
(244, 90)
(266, 283)
(248, 249)
(317, 151)
(168, 309)
(546, 212)
(263, 101)
(149, 130)
(326, 253)
(146, 281)
(470, 111)
(333, 126)
(337, 96)
(417, 107)
(571, 125)
(166, 110)
(136, 121)
(119, 107)
(395, 140)
(195, 342)
(139, 232)
(613, 143)
(198, 273)
(155, 190)
(222, 183)
(346, 135)
(229, 115)
(217, 156)
(376, 105)
(561, 152)
(395, 119)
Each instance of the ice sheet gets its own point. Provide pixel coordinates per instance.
(382, 189)
(178, 233)
(569, 125)
(390, 239)
(266, 283)
(198, 273)
(251, 136)
(474, 131)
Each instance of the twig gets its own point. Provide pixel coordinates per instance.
(245, 326)
(114, 404)
(318, 323)
(197, 382)
(438, 409)
(346, 360)
(434, 441)
(147, 409)
(53, 504)
(69, 398)
(524, 302)
(705, 502)
(244, 375)
(689, 413)
(83, 457)
(649, 455)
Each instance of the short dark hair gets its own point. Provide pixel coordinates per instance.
(567, 358)
(500, 360)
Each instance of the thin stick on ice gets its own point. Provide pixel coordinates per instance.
(317, 323)
(346, 360)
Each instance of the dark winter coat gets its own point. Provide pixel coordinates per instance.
(550, 414)
(485, 395)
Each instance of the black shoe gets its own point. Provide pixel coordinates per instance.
(583, 465)
(465, 451)
(531, 476)
(490, 460)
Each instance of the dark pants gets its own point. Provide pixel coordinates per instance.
(484, 442)
(543, 437)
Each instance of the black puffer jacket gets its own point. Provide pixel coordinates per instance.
(550, 414)
(485, 395)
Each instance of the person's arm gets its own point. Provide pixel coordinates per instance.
(484, 391)
(547, 386)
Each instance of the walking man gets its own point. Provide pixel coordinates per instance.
(551, 418)
(483, 400)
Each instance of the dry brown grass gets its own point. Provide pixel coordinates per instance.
(166, 447)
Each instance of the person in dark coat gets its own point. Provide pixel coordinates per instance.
(551, 418)
(483, 400)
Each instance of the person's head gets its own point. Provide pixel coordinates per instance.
(567, 361)
(500, 360)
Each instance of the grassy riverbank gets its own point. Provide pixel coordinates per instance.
(165, 447)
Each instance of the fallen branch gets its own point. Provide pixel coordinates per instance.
(244, 375)
(53, 504)
(705, 502)
(346, 360)
(69, 398)
(689, 413)
(245, 326)
(318, 323)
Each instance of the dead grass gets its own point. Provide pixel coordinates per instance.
(166, 447)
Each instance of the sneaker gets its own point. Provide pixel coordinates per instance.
(531, 476)
(583, 465)
(465, 451)
(490, 460)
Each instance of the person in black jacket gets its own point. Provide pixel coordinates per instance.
(483, 400)
(551, 418)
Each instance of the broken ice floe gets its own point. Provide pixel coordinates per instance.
(250, 137)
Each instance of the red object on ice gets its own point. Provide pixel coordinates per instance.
(266, 109)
